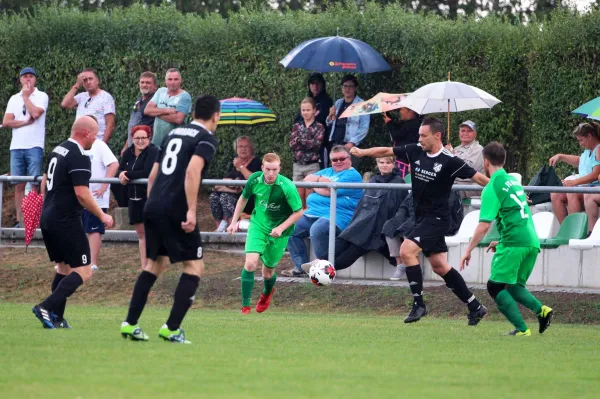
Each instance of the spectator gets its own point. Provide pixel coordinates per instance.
(305, 140)
(148, 84)
(93, 101)
(315, 221)
(317, 90)
(224, 198)
(136, 163)
(104, 164)
(364, 233)
(26, 116)
(170, 105)
(588, 136)
(348, 132)
(469, 151)
(403, 128)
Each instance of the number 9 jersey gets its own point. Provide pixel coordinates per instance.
(177, 149)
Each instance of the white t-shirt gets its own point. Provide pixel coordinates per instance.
(101, 157)
(98, 106)
(29, 136)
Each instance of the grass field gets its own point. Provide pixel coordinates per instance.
(292, 355)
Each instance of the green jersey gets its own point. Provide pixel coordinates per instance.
(503, 199)
(273, 203)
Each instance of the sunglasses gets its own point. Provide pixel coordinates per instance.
(140, 138)
(339, 159)
(87, 102)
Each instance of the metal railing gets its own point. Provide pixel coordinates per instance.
(333, 193)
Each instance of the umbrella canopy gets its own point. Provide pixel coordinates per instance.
(335, 54)
(382, 102)
(242, 111)
(32, 211)
(591, 109)
(448, 96)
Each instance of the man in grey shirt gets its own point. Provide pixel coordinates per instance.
(469, 151)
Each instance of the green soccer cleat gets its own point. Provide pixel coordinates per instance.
(133, 332)
(517, 333)
(545, 317)
(177, 336)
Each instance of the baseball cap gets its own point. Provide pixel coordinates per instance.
(470, 124)
(27, 70)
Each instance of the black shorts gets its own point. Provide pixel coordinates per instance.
(136, 211)
(165, 237)
(429, 234)
(68, 244)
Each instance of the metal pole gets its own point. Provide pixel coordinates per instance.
(332, 228)
(1, 206)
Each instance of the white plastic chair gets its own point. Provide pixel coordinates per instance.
(517, 176)
(546, 224)
(587, 243)
(465, 231)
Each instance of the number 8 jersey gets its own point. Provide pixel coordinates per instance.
(504, 199)
(168, 191)
(68, 166)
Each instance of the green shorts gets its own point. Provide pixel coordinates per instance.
(513, 265)
(271, 249)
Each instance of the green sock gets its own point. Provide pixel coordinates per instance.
(510, 309)
(525, 298)
(269, 283)
(247, 286)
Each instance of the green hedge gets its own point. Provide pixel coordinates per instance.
(539, 75)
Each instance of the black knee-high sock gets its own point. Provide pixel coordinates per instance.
(455, 281)
(65, 289)
(184, 297)
(415, 281)
(142, 288)
(59, 311)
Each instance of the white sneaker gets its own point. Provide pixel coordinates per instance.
(94, 268)
(306, 266)
(399, 274)
(223, 226)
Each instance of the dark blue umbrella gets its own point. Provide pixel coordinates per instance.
(335, 54)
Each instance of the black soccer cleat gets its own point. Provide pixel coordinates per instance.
(476, 315)
(544, 318)
(416, 313)
(59, 323)
(43, 315)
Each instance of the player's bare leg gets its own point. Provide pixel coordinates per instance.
(455, 281)
(409, 252)
(250, 266)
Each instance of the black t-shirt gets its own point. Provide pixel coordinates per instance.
(177, 149)
(67, 166)
(340, 125)
(432, 178)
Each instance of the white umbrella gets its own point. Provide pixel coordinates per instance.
(448, 96)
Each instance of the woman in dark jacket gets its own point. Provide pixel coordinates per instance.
(403, 128)
(136, 163)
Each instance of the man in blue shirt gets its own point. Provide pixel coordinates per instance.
(315, 221)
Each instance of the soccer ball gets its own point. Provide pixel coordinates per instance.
(322, 273)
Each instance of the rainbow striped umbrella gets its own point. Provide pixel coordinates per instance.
(242, 111)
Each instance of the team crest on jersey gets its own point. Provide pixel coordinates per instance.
(437, 167)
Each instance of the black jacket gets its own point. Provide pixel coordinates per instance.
(138, 168)
(403, 132)
(374, 209)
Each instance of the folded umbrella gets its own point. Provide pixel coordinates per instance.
(32, 212)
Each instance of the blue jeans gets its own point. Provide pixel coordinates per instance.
(318, 231)
(26, 162)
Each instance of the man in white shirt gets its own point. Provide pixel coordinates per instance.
(93, 101)
(104, 164)
(26, 115)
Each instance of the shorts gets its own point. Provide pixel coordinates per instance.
(165, 237)
(271, 249)
(513, 265)
(136, 211)
(26, 162)
(91, 224)
(429, 234)
(68, 244)
(299, 171)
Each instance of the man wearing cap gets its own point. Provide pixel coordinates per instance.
(26, 116)
(469, 151)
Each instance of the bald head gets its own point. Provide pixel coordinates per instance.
(84, 131)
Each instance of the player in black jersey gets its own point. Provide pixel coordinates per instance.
(433, 171)
(67, 192)
(170, 218)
